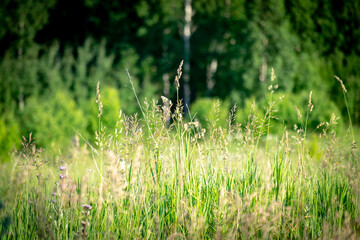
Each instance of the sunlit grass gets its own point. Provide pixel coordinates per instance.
(151, 179)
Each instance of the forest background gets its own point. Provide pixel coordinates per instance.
(53, 53)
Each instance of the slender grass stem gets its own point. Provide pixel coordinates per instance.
(141, 109)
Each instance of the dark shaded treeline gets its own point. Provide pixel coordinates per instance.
(229, 31)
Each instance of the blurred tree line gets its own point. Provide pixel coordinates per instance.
(52, 54)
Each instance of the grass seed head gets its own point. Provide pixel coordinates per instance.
(179, 73)
(298, 113)
(341, 83)
(272, 74)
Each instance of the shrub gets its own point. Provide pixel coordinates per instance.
(53, 118)
(211, 111)
(9, 135)
(285, 105)
(322, 111)
(111, 108)
(250, 106)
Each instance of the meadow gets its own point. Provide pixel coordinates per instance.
(164, 175)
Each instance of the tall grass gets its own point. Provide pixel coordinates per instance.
(174, 180)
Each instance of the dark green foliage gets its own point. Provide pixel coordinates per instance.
(20, 22)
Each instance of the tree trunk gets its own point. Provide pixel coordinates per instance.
(165, 76)
(211, 70)
(187, 35)
(21, 67)
(264, 65)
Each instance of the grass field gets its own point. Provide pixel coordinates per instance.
(163, 176)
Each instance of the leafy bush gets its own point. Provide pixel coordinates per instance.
(111, 107)
(211, 111)
(53, 118)
(250, 107)
(285, 110)
(9, 135)
(321, 112)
